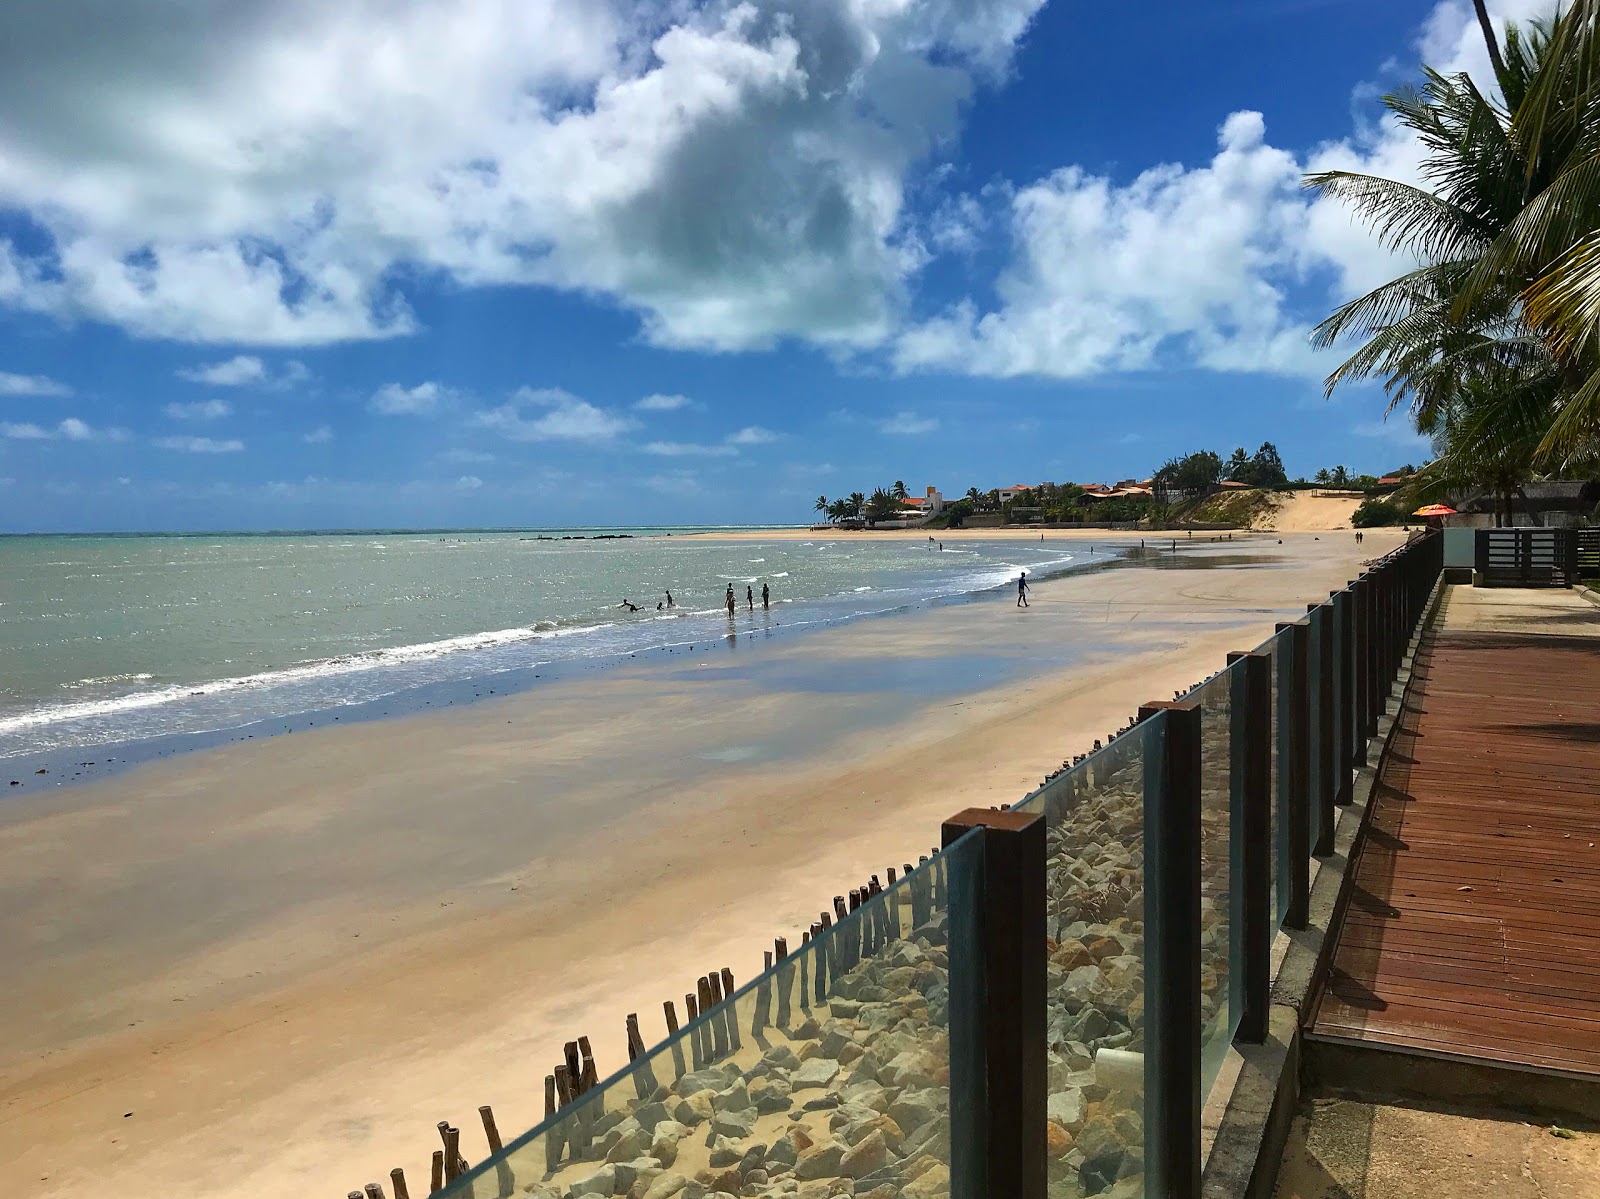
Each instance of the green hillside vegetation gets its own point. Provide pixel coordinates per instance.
(1240, 509)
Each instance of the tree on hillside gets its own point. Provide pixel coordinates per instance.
(899, 489)
(1192, 472)
(1339, 476)
(1237, 467)
(1266, 467)
(1322, 478)
(975, 496)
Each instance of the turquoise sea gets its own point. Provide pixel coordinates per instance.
(113, 639)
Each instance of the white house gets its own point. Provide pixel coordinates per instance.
(919, 506)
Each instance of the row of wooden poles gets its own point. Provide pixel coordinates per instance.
(710, 1041)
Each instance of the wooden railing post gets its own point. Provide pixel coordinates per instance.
(1321, 790)
(1172, 1100)
(1252, 718)
(1000, 1148)
(1294, 764)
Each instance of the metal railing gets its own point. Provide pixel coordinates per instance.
(1041, 1009)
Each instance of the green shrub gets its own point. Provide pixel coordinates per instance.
(1376, 513)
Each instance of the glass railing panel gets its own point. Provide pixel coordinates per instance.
(1094, 830)
(830, 1074)
(1278, 838)
(1317, 763)
(1221, 847)
(1284, 684)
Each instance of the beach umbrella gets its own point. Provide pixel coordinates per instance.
(1435, 510)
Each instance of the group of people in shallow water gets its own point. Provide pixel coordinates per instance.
(749, 599)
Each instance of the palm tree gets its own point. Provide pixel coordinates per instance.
(822, 504)
(899, 489)
(1506, 231)
(1323, 478)
(857, 502)
(881, 506)
(838, 509)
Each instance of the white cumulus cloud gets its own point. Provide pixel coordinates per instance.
(684, 449)
(422, 400)
(908, 424)
(235, 372)
(199, 445)
(552, 414)
(752, 435)
(663, 403)
(199, 410)
(31, 385)
(272, 174)
(321, 435)
(70, 429)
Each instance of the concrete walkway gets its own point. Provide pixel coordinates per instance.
(1343, 1149)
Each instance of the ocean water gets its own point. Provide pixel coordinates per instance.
(106, 640)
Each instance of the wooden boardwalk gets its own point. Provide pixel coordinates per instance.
(1473, 928)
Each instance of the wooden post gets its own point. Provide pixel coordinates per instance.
(591, 1082)
(919, 894)
(998, 1039)
(733, 1016)
(453, 1165)
(505, 1181)
(856, 941)
(894, 907)
(936, 884)
(841, 947)
(805, 962)
(375, 1191)
(554, 1137)
(644, 1077)
(784, 977)
(397, 1179)
(1172, 957)
(697, 1049)
(1254, 830)
(672, 1035)
(717, 1049)
(763, 1012)
(438, 1172)
(828, 960)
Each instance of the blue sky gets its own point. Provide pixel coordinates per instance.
(474, 262)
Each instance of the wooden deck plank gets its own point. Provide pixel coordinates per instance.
(1474, 922)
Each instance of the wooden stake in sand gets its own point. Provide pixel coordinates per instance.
(855, 941)
(397, 1178)
(806, 957)
(936, 882)
(644, 1078)
(505, 1181)
(894, 908)
(691, 1006)
(438, 1172)
(454, 1164)
(596, 1107)
(567, 1131)
(375, 1191)
(672, 1035)
(763, 1013)
(719, 1026)
(919, 894)
(785, 976)
(827, 959)
(552, 1137)
(841, 953)
(732, 1013)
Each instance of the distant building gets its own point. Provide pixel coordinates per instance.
(920, 507)
(1551, 505)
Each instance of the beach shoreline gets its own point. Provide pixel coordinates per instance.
(288, 959)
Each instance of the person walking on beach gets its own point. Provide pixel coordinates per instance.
(766, 597)
(750, 598)
(730, 599)
(1022, 590)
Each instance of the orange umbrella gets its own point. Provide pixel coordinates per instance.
(1435, 510)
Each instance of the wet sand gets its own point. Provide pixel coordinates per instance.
(269, 969)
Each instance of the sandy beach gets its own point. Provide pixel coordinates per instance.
(269, 969)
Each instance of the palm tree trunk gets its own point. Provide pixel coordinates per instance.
(1487, 26)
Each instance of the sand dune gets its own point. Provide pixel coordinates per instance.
(1309, 512)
